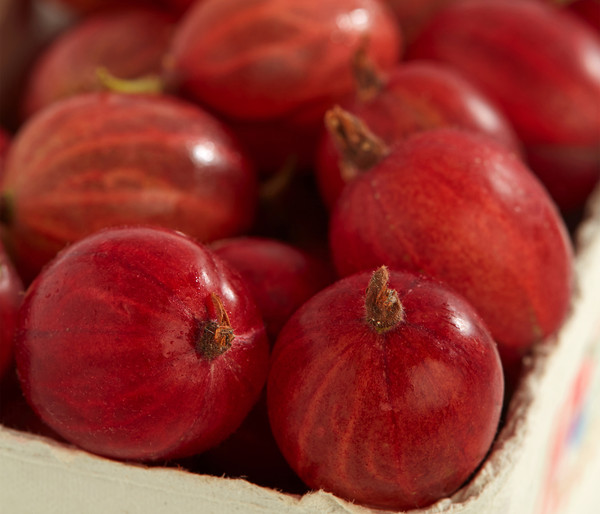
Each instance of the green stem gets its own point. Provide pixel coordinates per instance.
(369, 82)
(150, 84)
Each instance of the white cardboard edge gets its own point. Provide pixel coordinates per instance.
(40, 475)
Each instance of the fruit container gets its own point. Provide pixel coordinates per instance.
(547, 444)
(542, 461)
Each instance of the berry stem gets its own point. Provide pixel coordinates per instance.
(217, 335)
(360, 149)
(369, 82)
(149, 84)
(384, 310)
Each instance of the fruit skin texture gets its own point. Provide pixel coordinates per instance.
(11, 293)
(178, 6)
(413, 15)
(391, 420)
(16, 413)
(460, 207)
(272, 67)
(586, 10)
(281, 276)
(414, 96)
(108, 159)
(271, 58)
(129, 43)
(107, 346)
(539, 65)
(252, 453)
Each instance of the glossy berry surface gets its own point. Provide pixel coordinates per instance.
(281, 276)
(178, 7)
(271, 68)
(139, 343)
(108, 159)
(251, 452)
(586, 10)
(539, 65)
(273, 58)
(413, 15)
(128, 43)
(11, 293)
(414, 96)
(459, 207)
(391, 412)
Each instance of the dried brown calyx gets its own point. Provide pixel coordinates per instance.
(217, 334)
(383, 307)
(369, 81)
(360, 149)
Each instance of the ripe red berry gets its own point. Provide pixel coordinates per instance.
(128, 43)
(275, 66)
(106, 159)
(539, 65)
(413, 96)
(280, 276)
(460, 207)
(139, 343)
(388, 397)
(587, 11)
(273, 58)
(413, 15)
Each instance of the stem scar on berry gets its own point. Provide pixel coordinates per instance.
(368, 78)
(383, 307)
(360, 149)
(217, 335)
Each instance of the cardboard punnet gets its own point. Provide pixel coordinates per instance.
(549, 444)
(551, 434)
